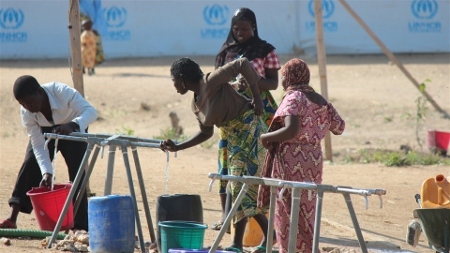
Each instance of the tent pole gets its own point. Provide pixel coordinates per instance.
(75, 49)
(321, 59)
(392, 57)
(75, 45)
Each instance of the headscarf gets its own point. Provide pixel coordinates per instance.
(93, 9)
(251, 49)
(296, 75)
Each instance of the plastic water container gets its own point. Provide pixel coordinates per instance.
(168, 209)
(253, 234)
(48, 205)
(181, 234)
(436, 192)
(111, 224)
(439, 141)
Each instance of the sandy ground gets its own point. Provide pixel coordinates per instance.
(373, 96)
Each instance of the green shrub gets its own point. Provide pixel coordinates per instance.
(396, 158)
(170, 133)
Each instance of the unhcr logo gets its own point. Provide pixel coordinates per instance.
(116, 18)
(216, 14)
(216, 17)
(11, 20)
(424, 11)
(327, 12)
(327, 8)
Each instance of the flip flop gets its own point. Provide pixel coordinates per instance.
(8, 224)
(238, 250)
(262, 249)
(217, 225)
(259, 249)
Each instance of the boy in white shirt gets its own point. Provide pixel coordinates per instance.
(50, 108)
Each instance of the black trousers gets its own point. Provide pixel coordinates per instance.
(30, 176)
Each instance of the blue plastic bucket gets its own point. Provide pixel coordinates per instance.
(181, 234)
(111, 222)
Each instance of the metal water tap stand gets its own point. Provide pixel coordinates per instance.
(100, 141)
(296, 191)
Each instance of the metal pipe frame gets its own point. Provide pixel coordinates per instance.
(116, 140)
(227, 221)
(110, 170)
(99, 141)
(121, 137)
(143, 193)
(133, 195)
(75, 184)
(297, 187)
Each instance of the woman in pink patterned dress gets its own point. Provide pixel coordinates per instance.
(294, 151)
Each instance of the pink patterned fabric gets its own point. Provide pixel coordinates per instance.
(299, 159)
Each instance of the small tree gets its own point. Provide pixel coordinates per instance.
(421, 110)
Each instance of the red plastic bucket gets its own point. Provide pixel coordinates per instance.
(48, 206)
(438, 141)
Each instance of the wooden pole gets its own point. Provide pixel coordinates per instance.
(75, 46)
(392, 57)
(321, 59)
(75, 49)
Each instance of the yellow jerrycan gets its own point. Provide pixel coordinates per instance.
(253, 235)
(436, 192)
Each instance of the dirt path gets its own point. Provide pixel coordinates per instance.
(374, 97)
